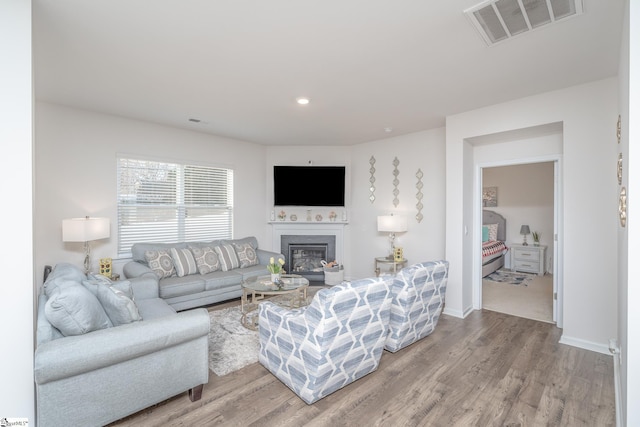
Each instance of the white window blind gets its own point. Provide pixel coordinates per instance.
(170, 202)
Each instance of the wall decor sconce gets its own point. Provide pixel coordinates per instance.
(85, 230)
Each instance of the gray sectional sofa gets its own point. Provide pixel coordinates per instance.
(106, 350)
(193, 274)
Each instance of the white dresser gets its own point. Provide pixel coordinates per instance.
(529, 259)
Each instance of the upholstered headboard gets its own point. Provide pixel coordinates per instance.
(491, 217)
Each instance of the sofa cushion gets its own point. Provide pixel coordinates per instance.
(228, 258)
(170, 287)
(93, 280)
(160, 263)
(63, 275)
(206, 259)
(183, 261)
(246, 254)
(120, 308)
(74, 310)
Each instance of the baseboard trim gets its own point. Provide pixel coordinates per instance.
(584, 344)
(454, 313)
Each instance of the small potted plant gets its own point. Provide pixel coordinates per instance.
(275, 268)
(282, 215)
(536, 238)
(332, 216)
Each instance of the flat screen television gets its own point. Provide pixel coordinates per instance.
(308, 185)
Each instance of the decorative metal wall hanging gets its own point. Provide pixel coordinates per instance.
(396, 172)
(419, 205)
(622, 206)
(372, 179)
(619, 169)
(619, 128)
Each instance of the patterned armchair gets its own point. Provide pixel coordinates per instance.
(334, 341)
(418, 295)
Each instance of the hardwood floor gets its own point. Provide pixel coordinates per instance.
(488, 369)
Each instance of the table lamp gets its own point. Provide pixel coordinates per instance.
(392, 224)
(524, 230)
(85, 230)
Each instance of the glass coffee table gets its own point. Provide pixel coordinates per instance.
(291, 294)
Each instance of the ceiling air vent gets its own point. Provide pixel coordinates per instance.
(499, 20)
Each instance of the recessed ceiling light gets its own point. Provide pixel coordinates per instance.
(302, 100)
(388, 129)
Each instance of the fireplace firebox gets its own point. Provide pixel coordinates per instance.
(304, 254)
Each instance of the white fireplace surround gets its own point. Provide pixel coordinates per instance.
(311, 229)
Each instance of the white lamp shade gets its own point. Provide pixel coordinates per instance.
(85, 229)
(392, 223)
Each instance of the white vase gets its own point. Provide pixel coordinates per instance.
(275, 277)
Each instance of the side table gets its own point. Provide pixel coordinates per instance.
(386, 261)
(529, 259)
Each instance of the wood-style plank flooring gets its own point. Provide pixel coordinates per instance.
(490, 369)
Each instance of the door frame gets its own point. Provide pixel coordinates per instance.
(557, 269)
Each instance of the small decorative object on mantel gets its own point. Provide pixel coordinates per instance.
(293, 217)
(282, 215)
(318, 217)
(419, 205)
(309, 215)
(332, 216)
(396, 182)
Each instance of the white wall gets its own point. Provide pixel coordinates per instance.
(75, 160)
(16, 172)
(525, 196)
(588, 114)
(424, 150)
(423, 241)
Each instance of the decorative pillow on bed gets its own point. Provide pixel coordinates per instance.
(493, 232)
(485, 233)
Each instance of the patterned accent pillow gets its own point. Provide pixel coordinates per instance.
(206, 259)
(183, 261)
(227, 256)
(160, 262)
(493, 232)
(246, 254)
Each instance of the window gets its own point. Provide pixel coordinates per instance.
(170, 202)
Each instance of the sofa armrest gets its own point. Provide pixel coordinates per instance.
(264, 256)
(75, 355)
(144, 281)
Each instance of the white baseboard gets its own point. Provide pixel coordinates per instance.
(587, 345)
(457, 313)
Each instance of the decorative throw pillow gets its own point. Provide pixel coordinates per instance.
(75, 311)
(493, 232)
(183, 261)
(246, 254)
(485, 233)
(160, 262)
(119, 307)
(206, 259)
(227, 256)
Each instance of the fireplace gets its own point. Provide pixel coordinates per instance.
(304, 253)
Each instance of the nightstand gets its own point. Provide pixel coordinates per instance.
(528, 259)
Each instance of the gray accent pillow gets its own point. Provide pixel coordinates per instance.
(206, 259)
(227, 256)
(120, 308)
(74, 310)
(160, 262)
(246, 254)
(63, 275)
(183, 261)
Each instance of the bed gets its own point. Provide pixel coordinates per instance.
(494, 247)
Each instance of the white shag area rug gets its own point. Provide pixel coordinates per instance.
(231, 345)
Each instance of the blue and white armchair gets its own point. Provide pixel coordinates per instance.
(334, 341)
(418, 294)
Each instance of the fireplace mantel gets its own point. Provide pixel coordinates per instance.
(318, 228)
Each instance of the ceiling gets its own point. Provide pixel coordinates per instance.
(239, 65)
